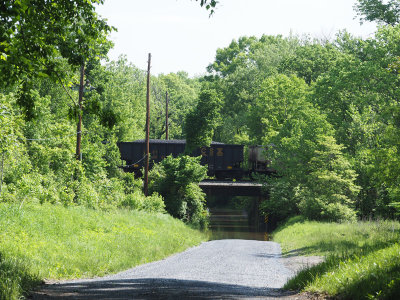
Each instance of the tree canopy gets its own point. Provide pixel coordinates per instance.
(384, 12)
(36, 34)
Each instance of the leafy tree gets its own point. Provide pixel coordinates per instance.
(182, 97)
(280, 99)
(284, 119)
(115, 99)
(310, 61)
(202, 120)
(386, 12)
(360, 80)
(360, 96)
(38, 36)
(35, 33)
(330, 191)
(239, 71)
(237, 54)
(11, 148)
(9, 127)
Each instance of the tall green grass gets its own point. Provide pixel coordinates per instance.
(362, 259)
(53, 242)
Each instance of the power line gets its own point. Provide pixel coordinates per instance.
(49, 138)
(131, 165)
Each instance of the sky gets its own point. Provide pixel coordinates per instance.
(181, 36)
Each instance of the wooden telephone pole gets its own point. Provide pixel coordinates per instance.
(166, 115)
(146, 167)
(78, 153)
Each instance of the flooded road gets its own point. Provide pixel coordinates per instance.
(234, 224)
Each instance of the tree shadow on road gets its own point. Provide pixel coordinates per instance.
(154, 288)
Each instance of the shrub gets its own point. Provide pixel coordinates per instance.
(194, 204)
(153, 203)
(176, 180)
(315, 208)
(138, 201)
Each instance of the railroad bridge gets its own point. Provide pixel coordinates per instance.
(230, 188)
(236, 221)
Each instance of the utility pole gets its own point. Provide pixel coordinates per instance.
(166, 115)
(78, 153)
(146, 167)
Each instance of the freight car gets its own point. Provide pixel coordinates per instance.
(258, 161)
(224, 161)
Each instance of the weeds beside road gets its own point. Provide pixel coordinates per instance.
(53, 242)
(362, 259)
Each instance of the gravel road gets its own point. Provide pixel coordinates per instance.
(221, 269)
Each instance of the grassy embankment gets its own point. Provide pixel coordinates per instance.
(362, 259)
(53, 242)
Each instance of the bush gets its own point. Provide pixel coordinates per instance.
(153, 203)
(194, 204)
(137, 200)
(176, 179)
(315, 208)
(101, 193)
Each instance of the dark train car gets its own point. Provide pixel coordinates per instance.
(224, 161)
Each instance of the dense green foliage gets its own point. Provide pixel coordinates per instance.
(361, 259)
(43, 169)
(176, 179)
(202, 120)
(51, 241)
(42, 39)
(182, 96)
(328, 112)
(35, 34)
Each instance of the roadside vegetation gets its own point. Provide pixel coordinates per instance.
(45, 241)
(361, 259)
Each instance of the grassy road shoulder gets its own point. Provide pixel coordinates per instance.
(362, 259)
(53, 242)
